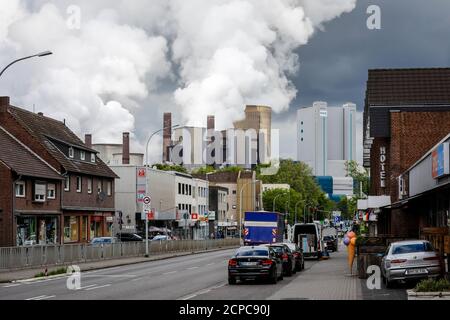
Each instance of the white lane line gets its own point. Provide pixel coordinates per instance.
(170, 272)
(206, 290)
(93, 288)
(191, 268)
(12, 285)
(113, 275)
(85, 287)
(189, 297)
(210, 264)
(35, 298)
(45, 297)
(137, 279)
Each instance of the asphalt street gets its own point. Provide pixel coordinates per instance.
(200, 276)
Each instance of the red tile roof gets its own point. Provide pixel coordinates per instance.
(47, 129)
(22, 160)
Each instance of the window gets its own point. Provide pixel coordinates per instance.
(51, 191)
(89, 185)
(67, 184)
(99, 186)
(183, 188)
(234, 191)
(70, 152)
(82, 155)
(190, 211)
(78, 184)
(190, 190)
(93, 157)
(39, 192)
(109, 188)
(179, 188)
(20, 189)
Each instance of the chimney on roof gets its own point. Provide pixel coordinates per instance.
(88, 140)
(41, 114)
(4, 103)
(167, 135)
(210, 122)
(126, 148)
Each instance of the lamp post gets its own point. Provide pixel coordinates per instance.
(146, 182)
(273, 206)
(240, 208)
(296, 209)
(41, 54)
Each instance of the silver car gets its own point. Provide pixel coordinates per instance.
(413, 259)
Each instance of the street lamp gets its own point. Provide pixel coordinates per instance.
(146, 182)
(296, 209)
(240, 208)
(273, 206)
(41, 54)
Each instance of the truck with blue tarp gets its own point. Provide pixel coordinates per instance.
(262, 227)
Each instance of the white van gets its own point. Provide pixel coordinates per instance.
(308, 236)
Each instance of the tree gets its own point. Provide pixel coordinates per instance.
(360, 175)
(285, 201)
(169, 167)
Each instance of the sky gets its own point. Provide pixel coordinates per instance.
(118, 66)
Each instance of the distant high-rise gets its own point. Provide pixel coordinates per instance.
(326, 137)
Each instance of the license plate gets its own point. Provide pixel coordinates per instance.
(416, 271)
(248, 264)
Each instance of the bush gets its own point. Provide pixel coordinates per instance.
(51, 273)
(431, 285)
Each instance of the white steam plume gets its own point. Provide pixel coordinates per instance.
(218, 55)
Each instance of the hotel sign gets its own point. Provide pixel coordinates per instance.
(383, 167)
(440, 161)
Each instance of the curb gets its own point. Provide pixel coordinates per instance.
(149, 259)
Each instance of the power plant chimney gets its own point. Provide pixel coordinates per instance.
(167, 135)
(210, 122)
(126, 148)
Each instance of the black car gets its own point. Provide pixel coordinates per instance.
(127, 237)
(298, 255)
(287, 257)
(331, 243)
(257, 262)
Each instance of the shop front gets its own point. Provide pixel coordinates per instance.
(37, 230)
(85, 227)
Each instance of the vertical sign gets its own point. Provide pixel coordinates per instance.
(383, 167)
(141, 176)
(440, 161)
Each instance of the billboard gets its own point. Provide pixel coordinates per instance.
(440, 161)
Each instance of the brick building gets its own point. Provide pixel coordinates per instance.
(30, 188)
(87, 192)
(407, 111)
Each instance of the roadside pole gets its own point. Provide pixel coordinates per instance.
(146, 234)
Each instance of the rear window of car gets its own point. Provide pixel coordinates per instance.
(252, 252)
(277, 249)
(413, 247)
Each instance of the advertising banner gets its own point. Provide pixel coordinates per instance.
(440, 161)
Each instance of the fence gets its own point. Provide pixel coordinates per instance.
(38, 256)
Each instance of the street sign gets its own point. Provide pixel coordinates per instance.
(147, 200)
(194, 216)
(150, 215)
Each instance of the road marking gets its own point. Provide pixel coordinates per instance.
(210, 264)
(137, 279)
(93, 288)
(170, 272)
(189, 297)
(113, 275)
(203, 291)
(85, 287)
(192, 268)
(46, 297)
(12, 285)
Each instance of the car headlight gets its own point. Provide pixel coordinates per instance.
(388, 264)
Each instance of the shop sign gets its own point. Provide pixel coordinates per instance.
(440, 161)
(109, 219)
(141, 174)
(383, 167)
(211, 215)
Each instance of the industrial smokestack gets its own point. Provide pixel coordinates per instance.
(167, 135)
(126, 148)
(87, 139)
(210, 122)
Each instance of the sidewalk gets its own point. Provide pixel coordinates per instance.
(12, 275)
(324, 280)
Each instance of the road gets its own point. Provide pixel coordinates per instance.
(200, 276)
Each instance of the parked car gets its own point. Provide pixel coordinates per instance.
(104, 240)
(330, 243)
(413, 259)
(298, 255)
(287, 257)
(255, 262)
(161, 237)
(128, 237)
(308, 237)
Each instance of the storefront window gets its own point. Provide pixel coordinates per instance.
(96, 227)
(71, 229)
(84, 228)
(26, 231)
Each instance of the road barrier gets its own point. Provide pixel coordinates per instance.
(54, 255)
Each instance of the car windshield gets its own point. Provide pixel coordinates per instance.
(108, 240)
(277, 249)
(252, 252)
(412, 247)
(327, 238)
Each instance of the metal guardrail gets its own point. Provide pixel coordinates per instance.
(39, 256)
